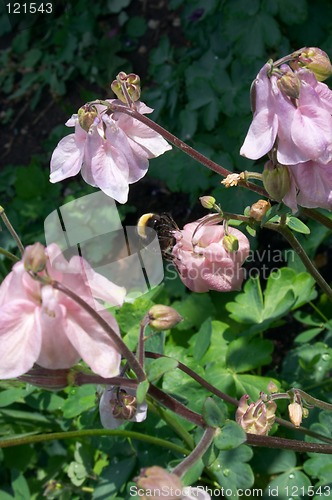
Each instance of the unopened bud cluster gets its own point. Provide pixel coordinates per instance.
(131, 84)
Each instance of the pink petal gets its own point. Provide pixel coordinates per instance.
(57, 351)
(261, 135)
(67, 157)
(20, 338)
(312, 133)
(92, 343)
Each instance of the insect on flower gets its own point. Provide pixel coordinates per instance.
(165, 227)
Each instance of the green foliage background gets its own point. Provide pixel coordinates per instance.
(199, 87)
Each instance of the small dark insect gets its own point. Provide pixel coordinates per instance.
(164, 225)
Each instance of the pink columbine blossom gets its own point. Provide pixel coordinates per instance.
(293, 123)
(204, 263)
(118, 406)
(310, 185)
(42, 325)
(112, 154)
(300, 129)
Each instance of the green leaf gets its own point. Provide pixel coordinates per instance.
(9, 396)
(116, 6)
(297, 225)
(231, 436)
(158, 367)
(113, 477)
(231, 470)
(202, 340)
(245, 354)
(79, 400)
(293, 11)
(142, 389)
(136, 27)
(284, 484)
(20, 485)
(285, 291)
(308, 335)
(213, 415)
(248, 306)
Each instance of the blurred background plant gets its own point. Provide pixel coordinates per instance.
(196, 60)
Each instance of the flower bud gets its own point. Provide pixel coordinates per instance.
(295, 413)
(156, 479)
(230, 243)
(276, 180)
(35, 258)
(163, 317)
(290, 84)
(259, 209)
(86, 116)
(316, 60)
(207, 202)
(131, 83)
(272, 388)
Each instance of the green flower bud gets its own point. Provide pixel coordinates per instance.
(290, 84)
(276, 180)
(163, 317)
(272, 388)
(314, 59)
(132, 84)
(35, 258)
(230, 243)
(86, 116)
(207, 202)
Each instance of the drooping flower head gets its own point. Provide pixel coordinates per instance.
(292, 123)
(256, 418)
(156, 482)
(111, 151)
(207, 259)
(44, 326)
(118, 406)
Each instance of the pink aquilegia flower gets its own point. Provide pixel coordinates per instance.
(42, 325)
(118, 406)
(155, 482)
(204, 259)
(112, 151)
(293, 124)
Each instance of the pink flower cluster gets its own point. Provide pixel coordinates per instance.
(111, 151)
(42, 325)
(292, 123)
(204, 263)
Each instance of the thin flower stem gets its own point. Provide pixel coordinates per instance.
(228, 399)
(168, 445)
(121, 346)
(313, 401)
(9, 255)
(174, 405)
(197, 453)
(11, 230)
(317, 216)
(296, 245)
(174, 423)
(87, 378)
(140, 353)
(288, 444)
(179, 144)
